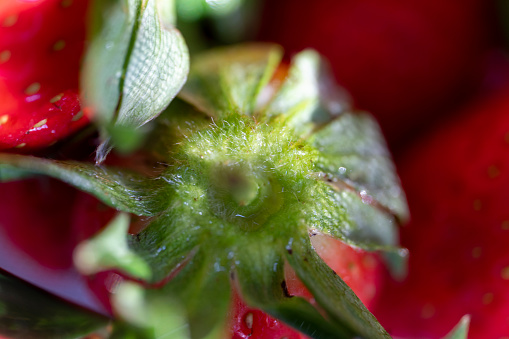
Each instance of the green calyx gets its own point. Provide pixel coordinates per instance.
(245, 171)
(253, 168)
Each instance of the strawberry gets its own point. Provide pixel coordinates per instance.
(41, 43)
(404, 61)
(256, 179)
(42, 221)
(457, 184)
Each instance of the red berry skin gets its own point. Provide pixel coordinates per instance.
(362, 271)
(41, 222)
(46, 219)
(404, 61)
(41, 44)
(247, 322)
(457, 185)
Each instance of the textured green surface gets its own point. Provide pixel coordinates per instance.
(123, 190)
(135, 65)
(251, 171)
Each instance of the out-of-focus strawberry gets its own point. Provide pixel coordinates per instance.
(41, 43)
(404, 61)
(457, 184)
(47, 219)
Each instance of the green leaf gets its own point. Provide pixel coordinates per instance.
(123, 190)
(365, 225)
(354, 153)
(135, 65)
(308, 97)
(29, 312)
(260, 275)
(109, 249)
(147, 314)
(305, 318)
(12, 174)
(331, 292)
(166, 244)
(229, 79)
(460, 331)
(203, 290)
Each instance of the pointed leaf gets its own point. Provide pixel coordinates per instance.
(260, 274)
(203, 289)
(305, 318)
(166, 244)
(353, 151)
(259, 271)
(147, 314)
(29, 312)
(229, 79)
(460, 331)
(156, 70)
(123, 190)
(308, 97)
(109, 249)
(331, 292)
(136, 63)
(113, 24)
(363, 224)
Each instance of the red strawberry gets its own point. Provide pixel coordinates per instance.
(404, 61)
(41, 222)
(46, 219)
(41, 43)
(362, 271)
(457, 184)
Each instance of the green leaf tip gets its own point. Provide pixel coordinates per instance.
(135, 65)
(460, 331)
(109, 249)
(143, 314)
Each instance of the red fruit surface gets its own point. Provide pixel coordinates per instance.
(404, 61)
(46, 218)
(457, 185)
(362, 271)
(41, 44)
(41, 222)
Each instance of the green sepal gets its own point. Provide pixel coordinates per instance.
(13, 174)
(135, 65)
(301, 315)
(331, 293)
(109, 249)
(230, 79)
(353, 152)
(308, 97)
(120, 189)
(147, 314)
(203, 289)
(259, 273)
(166, 244)
(29, 312)
(460, 331)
